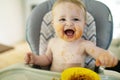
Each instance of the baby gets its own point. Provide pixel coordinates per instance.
(68, 49)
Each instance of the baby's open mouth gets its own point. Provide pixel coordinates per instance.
(69, 32)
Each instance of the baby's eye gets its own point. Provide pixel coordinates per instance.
(76, 19)
(62, 19)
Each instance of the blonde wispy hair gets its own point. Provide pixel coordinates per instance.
(79, 3)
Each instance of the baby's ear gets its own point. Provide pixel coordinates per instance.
(52, 23)
(85, 23)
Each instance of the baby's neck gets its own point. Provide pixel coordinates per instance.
(71, 42)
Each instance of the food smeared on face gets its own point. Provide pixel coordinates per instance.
(68, 23)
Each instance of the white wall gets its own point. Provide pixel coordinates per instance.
(12, 22)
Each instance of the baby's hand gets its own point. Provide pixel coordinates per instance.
(107, 60)
(30, 58)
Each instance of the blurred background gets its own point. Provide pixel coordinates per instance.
(13, 16)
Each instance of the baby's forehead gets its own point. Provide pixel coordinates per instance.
(64, 7)
(67, 5)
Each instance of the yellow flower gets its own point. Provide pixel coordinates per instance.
(77, 73)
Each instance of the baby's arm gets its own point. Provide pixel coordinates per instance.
(103, 57)
(42, 60)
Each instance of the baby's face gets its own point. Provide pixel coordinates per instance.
(68, 21)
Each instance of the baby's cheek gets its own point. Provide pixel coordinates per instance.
(59, 30)
(78, 33)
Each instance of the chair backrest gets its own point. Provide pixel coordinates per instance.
(100, 12)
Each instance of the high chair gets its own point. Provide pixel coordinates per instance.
(103, 35)
(100, 12)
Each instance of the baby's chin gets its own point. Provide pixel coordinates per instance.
(70, 38)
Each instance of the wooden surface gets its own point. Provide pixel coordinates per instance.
(4, 48)
(15, 55)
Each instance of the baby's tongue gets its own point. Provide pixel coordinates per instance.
(69, 32)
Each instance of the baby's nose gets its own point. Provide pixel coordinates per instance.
(69, 23)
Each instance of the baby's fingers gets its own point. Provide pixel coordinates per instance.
(114, 62)
(98, 63)
(110, 61)
(107, 61)
(28, 58)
